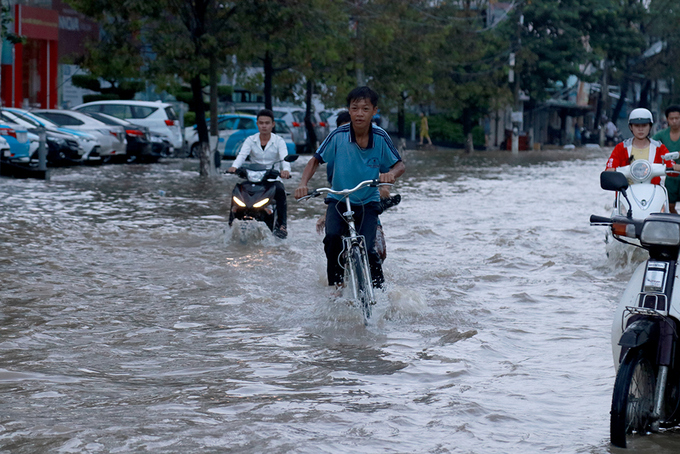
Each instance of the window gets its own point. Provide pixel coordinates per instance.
(227, 124)
(246, 123)
(281, 127)
(170, 112)
(61, 119)
(115, 110)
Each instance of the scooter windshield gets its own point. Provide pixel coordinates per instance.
(255, 176)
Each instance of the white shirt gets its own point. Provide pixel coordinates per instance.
(274, 151)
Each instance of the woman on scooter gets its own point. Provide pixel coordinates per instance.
(640, 146)
(267, 148)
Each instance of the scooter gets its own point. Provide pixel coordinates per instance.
(644, 198)
(253, 199)
(646, 396)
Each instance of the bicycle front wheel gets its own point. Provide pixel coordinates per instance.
(633, 397)
(363, 282)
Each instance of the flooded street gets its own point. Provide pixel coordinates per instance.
(133, 319)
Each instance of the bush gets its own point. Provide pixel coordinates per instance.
(448, 129)
(189, 119)
(100, 97)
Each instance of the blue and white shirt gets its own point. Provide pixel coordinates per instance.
(352, 164)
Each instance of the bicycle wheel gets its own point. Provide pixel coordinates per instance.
(633, 397)
(363, 279)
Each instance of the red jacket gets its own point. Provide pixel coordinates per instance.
(620, 156)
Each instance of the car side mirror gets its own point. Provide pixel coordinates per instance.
(613, 181)
(291, 157)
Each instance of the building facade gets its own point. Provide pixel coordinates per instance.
(54, 36)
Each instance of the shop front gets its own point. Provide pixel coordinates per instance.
(29, 72)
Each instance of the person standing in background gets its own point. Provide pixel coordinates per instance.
(424, 129)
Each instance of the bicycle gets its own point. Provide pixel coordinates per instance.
(354, 255)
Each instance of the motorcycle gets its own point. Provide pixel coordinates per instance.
(646, 395)
(253, 199)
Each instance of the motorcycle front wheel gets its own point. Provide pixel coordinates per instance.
(633, 397)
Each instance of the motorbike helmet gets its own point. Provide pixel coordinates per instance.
(640, 116)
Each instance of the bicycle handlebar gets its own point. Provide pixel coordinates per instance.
(344, 192)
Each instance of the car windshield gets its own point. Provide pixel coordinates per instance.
(19, 119)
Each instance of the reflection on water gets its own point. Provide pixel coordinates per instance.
(133, 319)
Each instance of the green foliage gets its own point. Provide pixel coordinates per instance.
(86, 81)
(100, 97)
(448, 129)
(189, 119)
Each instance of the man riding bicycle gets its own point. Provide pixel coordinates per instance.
(357, 151)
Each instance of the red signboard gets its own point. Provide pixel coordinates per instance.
(37, 23)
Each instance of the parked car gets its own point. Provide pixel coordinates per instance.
(62, 148)
(281, 129)
(159, 117)
(88, 143)
(111, 138)
(139, 139)
(17, 139)
(233, 129)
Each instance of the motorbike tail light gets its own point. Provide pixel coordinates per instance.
(623, 229)
(261, 203)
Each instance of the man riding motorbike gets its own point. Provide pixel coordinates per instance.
(269, 149)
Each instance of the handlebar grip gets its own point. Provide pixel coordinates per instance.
(594, 219)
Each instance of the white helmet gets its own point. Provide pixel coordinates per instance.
(640, 116)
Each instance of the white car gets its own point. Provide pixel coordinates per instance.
(159, 117)
(111, 138)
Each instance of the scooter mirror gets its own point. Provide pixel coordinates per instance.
(613, 181)
(291, 157)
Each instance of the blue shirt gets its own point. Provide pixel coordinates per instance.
(349, 164)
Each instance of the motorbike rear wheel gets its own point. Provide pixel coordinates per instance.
(633, 397)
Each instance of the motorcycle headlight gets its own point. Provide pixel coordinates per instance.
(256, 175)
(238, 202)
(640, 170)
(261, 203)
(660, 233)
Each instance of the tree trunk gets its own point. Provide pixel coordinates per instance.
(206, 169)
(401, 116)
(216, 161)
(268, 77)
(309, 118)
(622, 99)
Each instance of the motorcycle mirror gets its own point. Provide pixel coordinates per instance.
(291, 157)
(613, 181)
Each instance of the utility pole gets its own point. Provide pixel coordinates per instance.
(517, 114)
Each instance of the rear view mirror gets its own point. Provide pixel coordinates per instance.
(613, 181)
(291, 157)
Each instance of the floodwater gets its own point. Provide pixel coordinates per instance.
(133, 319)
